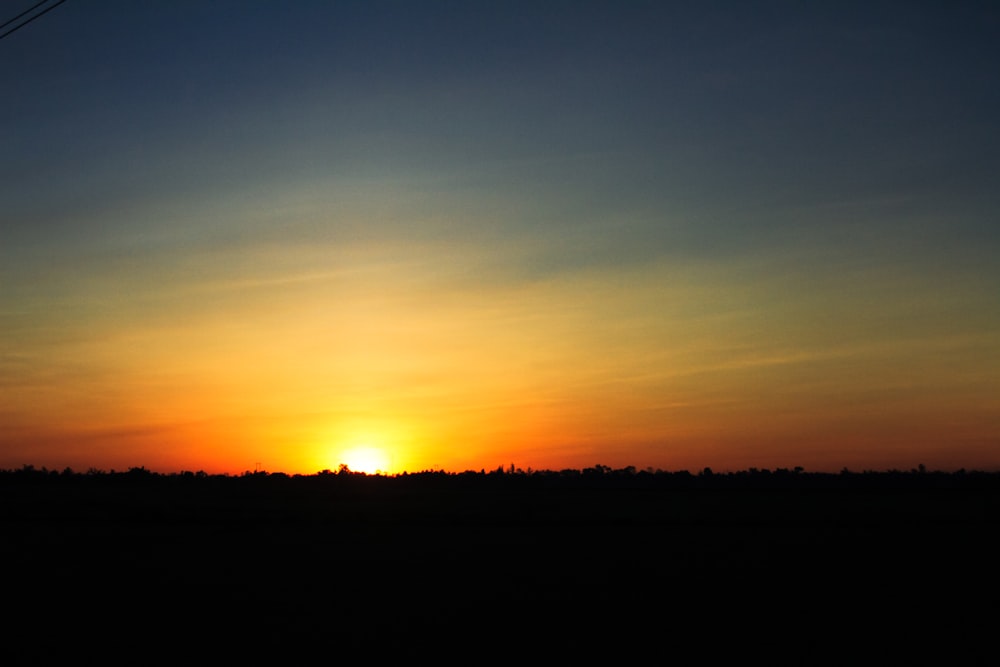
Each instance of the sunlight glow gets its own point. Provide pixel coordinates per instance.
(366, 459)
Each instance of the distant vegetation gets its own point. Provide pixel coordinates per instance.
(596, 476)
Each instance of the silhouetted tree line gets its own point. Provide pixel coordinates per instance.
(597, 476)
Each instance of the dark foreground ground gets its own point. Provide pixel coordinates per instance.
(801, 568)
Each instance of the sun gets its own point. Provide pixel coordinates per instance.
(366, 459)
(371, 448)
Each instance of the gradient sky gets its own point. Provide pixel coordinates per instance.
(554, 234)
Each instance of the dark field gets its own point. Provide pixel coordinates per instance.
(802, 565)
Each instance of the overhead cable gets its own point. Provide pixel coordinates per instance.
(30, 19)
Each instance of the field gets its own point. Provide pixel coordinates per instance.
(231, 565)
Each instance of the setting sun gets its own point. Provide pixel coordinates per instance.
(366, 459)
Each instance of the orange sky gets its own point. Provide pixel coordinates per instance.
(663, 366)
(619, 235)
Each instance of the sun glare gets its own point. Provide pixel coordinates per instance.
(366, 459)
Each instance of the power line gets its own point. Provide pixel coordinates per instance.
(28, 11)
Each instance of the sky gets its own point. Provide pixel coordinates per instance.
(458, 235)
